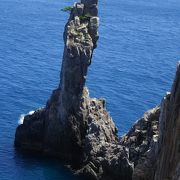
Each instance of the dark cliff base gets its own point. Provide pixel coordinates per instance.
(78, 130)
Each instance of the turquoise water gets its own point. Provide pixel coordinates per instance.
(132, 67)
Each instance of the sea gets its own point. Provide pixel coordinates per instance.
(132, 68)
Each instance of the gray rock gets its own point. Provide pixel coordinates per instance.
(156, 154)
(89, 3)
(73, 126)
(139, 137)
(91, 11)
(168, 151)
(78, 9)
(79, 130)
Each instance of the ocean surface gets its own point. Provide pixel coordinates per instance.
(133, 67)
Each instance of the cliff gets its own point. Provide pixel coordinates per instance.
(154, 141)
(78, 129)
(167, 164)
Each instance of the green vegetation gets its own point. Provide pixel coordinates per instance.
(82, 18)
(85, 17)
(67, 9)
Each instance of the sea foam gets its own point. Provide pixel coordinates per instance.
(21, 118)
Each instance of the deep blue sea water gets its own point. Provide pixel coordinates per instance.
(132, 67)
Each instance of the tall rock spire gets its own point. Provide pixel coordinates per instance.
(73, 126)
(64, 109)
(80, 37)
(78, 129)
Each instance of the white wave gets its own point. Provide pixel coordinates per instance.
(30, 113)
(21, 118)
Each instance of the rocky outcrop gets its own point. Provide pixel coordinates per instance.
(154, 140)
(167, 164)
(141, 141)
(73, 126)
(142, 135)
(78, 129)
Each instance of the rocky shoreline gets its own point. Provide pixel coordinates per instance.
(78, 129)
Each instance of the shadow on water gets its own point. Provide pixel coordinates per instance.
(36, 165)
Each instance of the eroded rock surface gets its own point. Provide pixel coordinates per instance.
(142, 134)
(154, 140)
(73, 126)
(141, 141)
(167, 164)
(78, 129)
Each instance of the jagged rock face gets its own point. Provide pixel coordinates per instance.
(73, 126)
(79, 130)
(141, 140)
(66, 112)
(168, 155)
(156, 155)
(63, 110)
(29, 135)
(105, 158)
(109, 162)
(141, 135)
